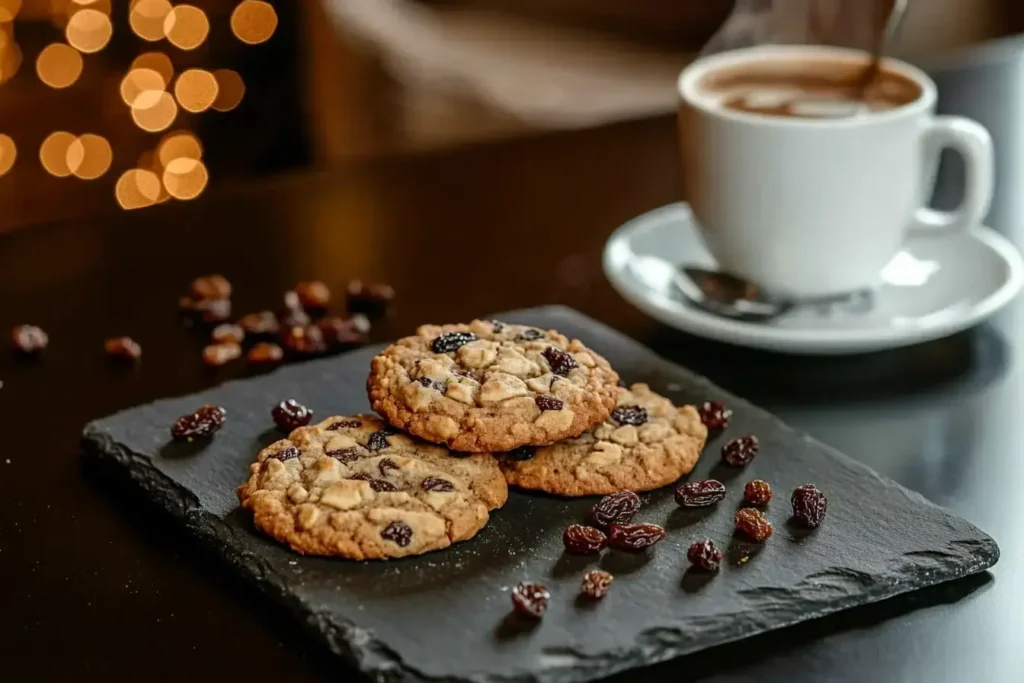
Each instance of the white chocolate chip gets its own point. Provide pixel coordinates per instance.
(307, 516)
(476, 354)
(297, 493)
(463, 392)
(501, 387)
(346, 494)
(512, 362)
(554, 420)
(542, 384)
(585, 359)
(604, 431)
(625, 435)
(652, 432)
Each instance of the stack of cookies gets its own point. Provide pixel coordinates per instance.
(469, 410)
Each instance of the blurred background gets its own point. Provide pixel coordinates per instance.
(117, 105)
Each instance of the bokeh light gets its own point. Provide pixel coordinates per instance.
(253, 21)
(185, 178)
(89, 30)
(196, 90)
(154, 110)
(10, 60)
(230, 89)
(137, 188)
(53, 153)
(59, 65)
(8, 153)
(179, 144)
(89, 156)
(9, 9)
(139, 81)
(186, 27)
(146, 17)
(158, 62)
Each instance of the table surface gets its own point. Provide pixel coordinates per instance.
(91, 574)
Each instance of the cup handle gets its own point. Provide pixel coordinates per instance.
(973, 143)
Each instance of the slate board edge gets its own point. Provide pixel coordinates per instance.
(376, 659)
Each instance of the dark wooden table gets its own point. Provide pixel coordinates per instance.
(93, 586)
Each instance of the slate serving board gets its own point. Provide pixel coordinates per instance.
(445, 616)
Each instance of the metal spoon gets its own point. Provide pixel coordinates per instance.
(883, 39)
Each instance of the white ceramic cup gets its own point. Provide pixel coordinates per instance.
(815, 207)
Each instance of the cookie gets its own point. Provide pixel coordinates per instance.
(351, 487)
(645, 444)
(489, 386)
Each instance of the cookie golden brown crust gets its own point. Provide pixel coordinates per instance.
(490, 386)
(647, 443)
(353, 487)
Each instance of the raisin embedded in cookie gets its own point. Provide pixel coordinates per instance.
(645, 444)
(355, 488)
(489, 386)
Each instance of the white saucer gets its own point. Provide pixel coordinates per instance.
(936, 286)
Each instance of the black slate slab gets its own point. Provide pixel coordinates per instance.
(445, 616)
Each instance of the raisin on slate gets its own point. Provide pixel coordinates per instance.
(548, 403)
(343, 454)
(379, 440)
(294, 317)
(344, 424)
(699, 494)
(437, 484)
(123, 347)
(616, 508)
(211, 287)
(522, 453)
(584, 540)
(634, 536)
(809, 505)
(451, 341)
(304, 340)
(398, 533)
(561, 363)
(630, 415)
(704, 555)
(216, 355)
(714, 415)
(757, 492)
(291, 414)
(370, 298)
(29, 338)
(530, 599)
(262, 324)
(431, 383)
(264, 354)
(753, 523)
(530, 334)
(202, 423)
(227, 332)
(740, 451)
(345, 332)
(381, 486)
(289, 453)
(313, 295)
(596, 584)
(386, 464)
(213, 310)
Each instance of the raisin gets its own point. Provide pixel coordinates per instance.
(289, 453)
(343, 454)
(431, 383)
(291, 301)
(584, 540)
(29, 338)
(530, 334)
(381, 486)
(304, 340)
(313, 295)
(262, 324)
(216, 355)
(616, 508)
(211, 287)
(398, 533)
(345, 424)
(700, 494)
(704, 555)
(293, 317)
(809, 505)
(740, 451)
(753, 523)
(372, 299)
(714, 415)
(548, 403)
(437, 484)
(634, 536)
(630, 415)
(359, 476)
(291, 414)
(596, 584)
(265, 354)
(451, 341)
(379, 440)
(561, 363)
(521, 453)
(497, 326)
(228, 333)
(530, 599)
(202, 423)
(386, 464)
(757, 492)
(345, 332)
(123, 347)
(213, 310)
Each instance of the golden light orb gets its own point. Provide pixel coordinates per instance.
(89, 30)
(186, 27)
(9, 9)
(185, 178)
(8, 153)
(53, 153)
(179, 144)
(196, 90)
(253, 21)
(137, 188)
(230, 89)
(158, 62)
(146, 17)
(139, 81)
(89, 156)
(59, 65)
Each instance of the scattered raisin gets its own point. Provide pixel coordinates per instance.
(370, 298)
(123, 347)
(757, 492)
(265, 354)
(630, 415)
(213, 310)
(379, 440)
(437, 484)
(291, 414)
(634, 536)
(521, 453)
(809, 505)
(203, 422)
(497, 326)
(293, 317)
(29, 338)
(216, 355)
(429, 383)
(752, 523)
(381, 486)
(345, 424)
(596, 584)
(343, 332)
(561, 363)
(398, 533)
(359, 476)
(451, 341)
(211, 287)
(262, 324)
(291, 301)
(740, 451)
(530, 334)
(343, 454)
(615, 508)
(289, 453)
(584, 540)
(530, 599)
(386, 464)
(704, 555)
(714, 415)
(304, 340)
(228, 333)
(700, 494)
(548, 403)
(313, 295)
